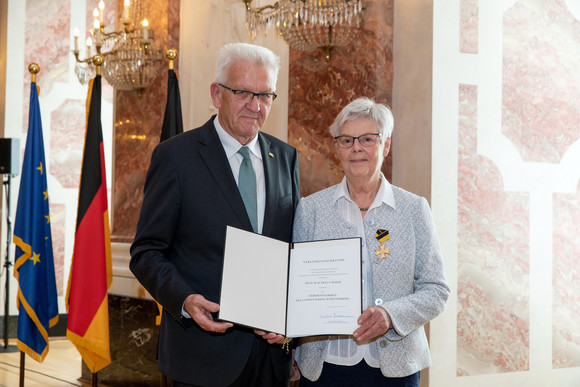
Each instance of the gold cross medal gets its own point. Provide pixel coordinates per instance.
(382, 235)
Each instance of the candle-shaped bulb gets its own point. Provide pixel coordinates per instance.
(95, 13)
(145, 24)
(125, 16)
(76, 36)
(89, 44)
(97, 31)
(101, 11)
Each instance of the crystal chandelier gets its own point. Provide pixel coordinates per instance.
(130, 60)
(308, 24)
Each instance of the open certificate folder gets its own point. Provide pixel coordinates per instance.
(296, 290)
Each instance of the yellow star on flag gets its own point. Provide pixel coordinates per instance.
(382, 251)
(35, 258)
(40, 168)
(45, 193)
(47, 218)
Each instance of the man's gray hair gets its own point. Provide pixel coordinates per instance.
(235, 52)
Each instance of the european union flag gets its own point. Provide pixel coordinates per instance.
(34, 266)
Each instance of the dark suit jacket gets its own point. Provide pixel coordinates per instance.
(190, 197)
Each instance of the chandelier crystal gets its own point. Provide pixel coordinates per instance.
(130, 60)
(308, 24)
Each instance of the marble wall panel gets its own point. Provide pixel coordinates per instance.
(492, 263)
(66, 142)
(469, 27)
(319, 90)
(47, 43)
(541, 84)
(566, 281)
(57, 221)
(138, 122)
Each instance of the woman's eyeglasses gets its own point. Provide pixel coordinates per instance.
(367, 139)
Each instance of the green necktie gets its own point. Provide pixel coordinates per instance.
(247, 186)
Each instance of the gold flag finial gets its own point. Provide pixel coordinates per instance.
(171, 54)
(98, 61)
(34, 69)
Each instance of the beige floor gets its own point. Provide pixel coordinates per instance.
(61, 367)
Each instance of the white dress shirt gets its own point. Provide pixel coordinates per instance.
(344, 350)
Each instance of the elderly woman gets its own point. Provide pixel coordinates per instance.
(404, 284)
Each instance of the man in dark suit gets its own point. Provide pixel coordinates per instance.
(194, 189)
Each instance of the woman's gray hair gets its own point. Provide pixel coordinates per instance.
(234, 52)
(365, 108)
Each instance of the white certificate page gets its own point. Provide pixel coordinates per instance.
(324, 289)
(254, 281)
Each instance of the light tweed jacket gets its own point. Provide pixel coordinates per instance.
(410, 281)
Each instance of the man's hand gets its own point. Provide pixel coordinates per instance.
(295, 370)
(374, 321)
(201, 309)
(272, 338)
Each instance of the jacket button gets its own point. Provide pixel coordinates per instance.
(379, 301)
(383, 343)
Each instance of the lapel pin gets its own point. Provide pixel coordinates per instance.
(382, 235)
(271, 154)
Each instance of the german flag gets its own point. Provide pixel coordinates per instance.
(91, 269)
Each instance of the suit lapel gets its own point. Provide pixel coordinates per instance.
(270, 167)
(213, 155)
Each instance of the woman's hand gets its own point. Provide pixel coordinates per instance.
(374, 321)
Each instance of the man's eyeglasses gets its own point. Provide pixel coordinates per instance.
(245, 96)
(367, 139)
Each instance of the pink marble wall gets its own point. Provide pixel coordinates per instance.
(541, 82)
(541, 90)
(47, 43)
(57, 221)
(138, 124)
(319, 90)
(67, 142)
(566, 281)
(493, 259)
(540, 117)
(469, 25)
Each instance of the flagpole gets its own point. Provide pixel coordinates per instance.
(7, 261)
(7, 265)
(22, 368)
